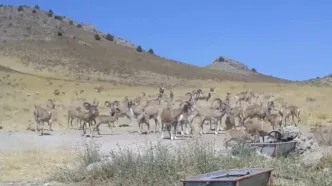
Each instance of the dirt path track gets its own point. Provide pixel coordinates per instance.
(29, 140)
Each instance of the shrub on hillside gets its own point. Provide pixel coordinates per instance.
(58, 17)
(109, 37)
(50, 13)
(139, 48)
(37, 7)
(34, 11)
(20, 8)
(151, 51)
(220, 59)
(71, 22)
(254, 70)
(79, 26)
(59, 33)
(97, 37)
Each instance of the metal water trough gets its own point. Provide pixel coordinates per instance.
(232, 177)
(275, 149)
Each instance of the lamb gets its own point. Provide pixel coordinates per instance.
(293, 111)
(73, 113)
(106, 119)
(236, 135)
(150, 111)
(207, 114)
(261, 127)
(41, 116)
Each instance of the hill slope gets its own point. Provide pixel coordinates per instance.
(46, 44)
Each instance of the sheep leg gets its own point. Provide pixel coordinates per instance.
(36, 127)
(50, 125)
(174, 130)
(285, 124)
(293, 120)
(216, 127)
(97, 127)
(42, 131)
(169, 126)
(156, 122)
(211, 125)
(90, 129)
(139, 127)
(148, 124)
(83, 128)
(110, 127)
(68, 121)
(201, 126)
(162, 131)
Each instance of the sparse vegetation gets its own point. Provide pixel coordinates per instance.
(97, 37)
(139, 48)
(50, 13)
(59, 33)
(20, 8)
(36, 7)
(151, 51)
(79, 26)
(254, 70)
(71, 22)
(34, 11)
(150, 165)
(109, 37)
(58, 17)
(220, 59)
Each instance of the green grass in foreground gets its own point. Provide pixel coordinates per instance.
(163, 165)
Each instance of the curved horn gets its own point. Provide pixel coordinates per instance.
(107, 103)
(87, 105)
(216, 99)
(188, 93)
(279, 135)
(184, 102)
(116, 102)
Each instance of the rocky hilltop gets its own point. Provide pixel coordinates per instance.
(230, 65)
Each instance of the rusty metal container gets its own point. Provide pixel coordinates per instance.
(232, 177)
(275, 149)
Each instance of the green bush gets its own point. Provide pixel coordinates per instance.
(150, 51)
(109, 37)
(50, 13)
(97, 37)
(58, 17)
(163, 165)
(139, 48)
(20, 8)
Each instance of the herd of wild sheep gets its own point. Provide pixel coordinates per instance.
(255, 116)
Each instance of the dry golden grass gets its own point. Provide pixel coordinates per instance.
(16, 107)
(32, 44)
(33, 164)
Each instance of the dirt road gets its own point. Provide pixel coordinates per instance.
(72, 139)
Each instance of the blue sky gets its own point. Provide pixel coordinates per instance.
(288, 38)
